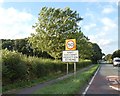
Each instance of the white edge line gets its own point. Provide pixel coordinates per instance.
(83, 94)
(118, 89)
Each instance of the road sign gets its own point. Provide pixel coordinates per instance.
(70, 44)
(70, 56)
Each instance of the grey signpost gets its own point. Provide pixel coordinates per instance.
(74, 68)
(67, 68)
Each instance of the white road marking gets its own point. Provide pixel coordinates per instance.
(83, 94)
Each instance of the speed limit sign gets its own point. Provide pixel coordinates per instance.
(70, 44)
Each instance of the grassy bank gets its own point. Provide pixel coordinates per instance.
(70, 85)
(23, 84)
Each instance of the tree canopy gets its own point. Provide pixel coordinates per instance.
(116, 54)
(54, 26)
(24, 47)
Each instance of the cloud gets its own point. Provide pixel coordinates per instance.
(89, 27)
(108, 10)
(106, 44)
(99, 38)
(1, 1)
(101, 26)
(15, 24)
(106, 35)
(108, 23)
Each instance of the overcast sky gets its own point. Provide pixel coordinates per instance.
(99, 24)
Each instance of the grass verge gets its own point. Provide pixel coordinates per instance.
(70, 85)
(23, 84)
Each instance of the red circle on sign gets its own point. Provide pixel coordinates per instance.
(70, 44)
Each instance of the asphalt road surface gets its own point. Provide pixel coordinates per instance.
(100, 85)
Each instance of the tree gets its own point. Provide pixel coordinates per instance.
(116, 54)
(85, 49)
(97, 53)
(9, 44)
(108, 58)
(54, 26)
(20, 45)
(23, 46)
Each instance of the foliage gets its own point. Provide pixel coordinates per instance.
(116, 54)
(85, 49)
(9, 44)
(108, 58)
(18, 67)
(54, 26)
(97, 53)
(23, 46)
(13, 68)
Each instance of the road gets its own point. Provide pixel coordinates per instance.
(100, 85)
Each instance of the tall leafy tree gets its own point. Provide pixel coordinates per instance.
(97, 53)
(85, 49)
(54, 26)
(116, 54)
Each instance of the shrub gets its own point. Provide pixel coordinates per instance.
(13, 67)
(39, 67)
(19, 67)
(83, 63)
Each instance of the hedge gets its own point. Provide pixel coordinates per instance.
(19, 67)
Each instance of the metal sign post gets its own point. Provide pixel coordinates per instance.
(74, 68)
(67, 68)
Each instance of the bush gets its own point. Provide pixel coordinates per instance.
(13, 68)
(83, 63)
(39, 67)
(19, 67)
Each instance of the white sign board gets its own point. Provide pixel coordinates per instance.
(70, 56)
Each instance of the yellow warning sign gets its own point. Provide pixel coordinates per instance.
(70, 44)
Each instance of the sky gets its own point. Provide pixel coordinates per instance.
(99, 24)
